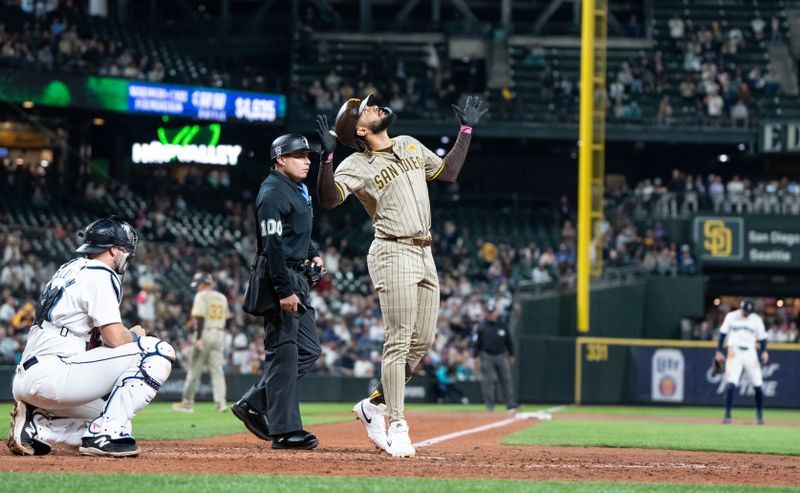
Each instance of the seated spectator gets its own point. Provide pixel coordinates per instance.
(664, 111)
(758, 25)
(740, 115)
(676, 28)
(446, 387)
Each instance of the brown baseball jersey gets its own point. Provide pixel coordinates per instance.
(212, 307)
(393, 187)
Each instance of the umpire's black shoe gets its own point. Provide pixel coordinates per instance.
(105, 446)
(253, 420)
(297, 440)
(22, 435)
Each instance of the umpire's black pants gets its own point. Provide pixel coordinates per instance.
(292, 348)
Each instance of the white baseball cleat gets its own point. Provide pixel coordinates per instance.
(372, 417)
(399, 441)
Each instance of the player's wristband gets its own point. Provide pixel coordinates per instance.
(466, 129)
(134, 336)
(329, 158)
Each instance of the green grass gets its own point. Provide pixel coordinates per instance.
(674, 436)
(176, 483)
(159, 422)
(682, 411)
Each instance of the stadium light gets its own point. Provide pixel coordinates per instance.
(723, 158)
(445, 139)
(27, 104)
(440, 152)
(98, 122)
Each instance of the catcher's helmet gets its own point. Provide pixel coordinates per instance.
(106, 233)
(346, 119)
(202, 278)
(747, 305)
(288, 144)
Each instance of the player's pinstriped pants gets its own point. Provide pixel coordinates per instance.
(408, 287)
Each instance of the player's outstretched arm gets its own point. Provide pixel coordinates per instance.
(328, 194)
(468, 116)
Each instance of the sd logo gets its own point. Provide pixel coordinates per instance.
(719, 238)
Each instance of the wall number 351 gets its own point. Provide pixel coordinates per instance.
(596, 351)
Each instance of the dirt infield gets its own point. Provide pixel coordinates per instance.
(345, 451)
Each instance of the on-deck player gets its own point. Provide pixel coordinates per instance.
(389, 177)
(742, 328)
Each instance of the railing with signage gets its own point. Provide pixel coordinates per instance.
(749, 240)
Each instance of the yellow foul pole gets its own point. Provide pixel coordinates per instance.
(591, 176)
(585, 162)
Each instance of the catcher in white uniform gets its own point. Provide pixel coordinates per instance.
(69, 391)
(742, 328)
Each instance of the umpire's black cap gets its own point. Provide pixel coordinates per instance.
(108, 232)
(288, 144)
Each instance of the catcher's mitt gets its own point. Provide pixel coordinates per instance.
(719, 367)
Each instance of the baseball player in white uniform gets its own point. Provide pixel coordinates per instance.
(742, 328)
(389, 177)
(66, 392)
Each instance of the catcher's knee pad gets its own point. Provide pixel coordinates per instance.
(157, 360)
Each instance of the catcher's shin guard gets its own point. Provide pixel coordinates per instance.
(135, 388)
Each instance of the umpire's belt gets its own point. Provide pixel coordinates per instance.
(420, 242)
(296, 266)
(30, 362)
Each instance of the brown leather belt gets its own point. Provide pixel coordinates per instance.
(420, 242)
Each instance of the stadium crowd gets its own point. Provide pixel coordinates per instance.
(157, 295)
(684, 193)
(714, 84)
(781, 318)
(55, 40)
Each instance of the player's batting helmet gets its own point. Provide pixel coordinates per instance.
(288, 144)
(346, 119)
(106, 233)
(747, 305)
(202, 278)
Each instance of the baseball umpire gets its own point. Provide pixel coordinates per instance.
(389, 177)
(270, 409)
(495, 352)
(742, 328)
(209, 313)
(67, 393)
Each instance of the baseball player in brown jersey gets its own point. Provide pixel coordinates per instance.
(210, 313)
(389, 177)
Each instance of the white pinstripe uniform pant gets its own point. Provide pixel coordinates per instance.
(405, 278)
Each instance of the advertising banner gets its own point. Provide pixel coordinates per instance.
(137, 97)
(684, 375)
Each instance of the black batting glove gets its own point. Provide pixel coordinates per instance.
(472, 112)
(325, 135)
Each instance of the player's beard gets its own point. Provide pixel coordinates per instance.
(385, 122)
